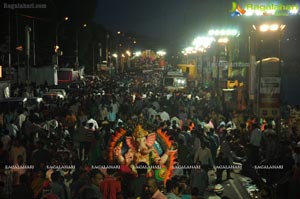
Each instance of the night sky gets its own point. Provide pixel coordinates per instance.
(166, 19)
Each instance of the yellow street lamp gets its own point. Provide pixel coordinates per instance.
(128, 53)
(223, 40)
(56, 37)
(270, 27)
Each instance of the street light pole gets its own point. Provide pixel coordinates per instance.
(93, 59)
(107, 50)
(76, 52)
(27, 51)
(56, 38)
(263, 95)
(77, 48)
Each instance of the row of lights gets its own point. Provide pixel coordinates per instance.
(200, 44)
(224, 32)
(269, 27)
(139, 53)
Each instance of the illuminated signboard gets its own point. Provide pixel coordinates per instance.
(263, 9)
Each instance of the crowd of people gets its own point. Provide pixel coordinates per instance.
(49, 151)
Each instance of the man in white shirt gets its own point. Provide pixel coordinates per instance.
(94, 122)
(13, 129)
(21, 118)
(255, 142)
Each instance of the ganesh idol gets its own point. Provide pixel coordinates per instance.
(141, 149)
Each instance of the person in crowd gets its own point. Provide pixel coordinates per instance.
(195, 193)
(92, 188)
(82, 118)
(80, 178)
(71, 122)
(221, 164)
(23, 190)
(37, 183)
(244, 134)
(269, 130)
(255, 143)
(103, 112)
(16, 150)
(221, 131)
(225, 159)
(6, 182)
(214, 143)
(91, 120)
(172, 188)
(56, 187)
(22, 117)
(185, 188)
(3, 149)
(39, 155)
(13, 129)
(18, 171)
(184, 153)
(296, 155)
(203, 155)
(199, 179)
(115, 105)
(110, 186)
(153, 190)
(137, 185)
(112, 117)
(88, 133)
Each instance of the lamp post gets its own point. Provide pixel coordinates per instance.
(115, 55)
(223, 37)
(222, 41)
(128, 53)
(27, 50)
(269, 79)
(77, 48)
(56, 48)
(93, 57)
(201, 44)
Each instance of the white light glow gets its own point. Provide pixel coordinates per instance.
(138, 53)
(223, 40)
(224, 32)
(128, 53)
(274, 27)
(161, 53)
(201, 43)
(294, 11)
(264, 28)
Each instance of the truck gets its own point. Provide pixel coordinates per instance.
(67, 75)
(174, 80)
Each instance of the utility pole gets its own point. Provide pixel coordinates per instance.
(27, 50)
(100, 53)
(107, 51)
(76, 52)
(9, 42)
(33, 41)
